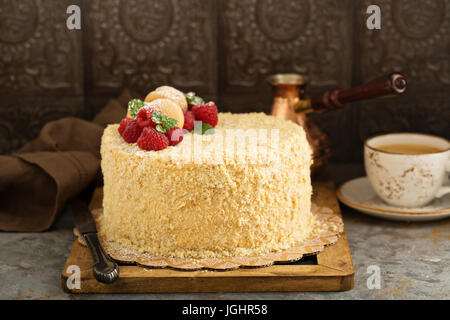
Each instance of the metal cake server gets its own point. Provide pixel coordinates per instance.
(105, 269)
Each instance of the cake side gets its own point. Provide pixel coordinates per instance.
(182, 203)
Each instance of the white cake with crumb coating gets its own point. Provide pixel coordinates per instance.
(245, 189)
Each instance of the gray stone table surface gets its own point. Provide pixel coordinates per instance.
(414, 260)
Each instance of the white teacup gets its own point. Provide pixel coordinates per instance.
(407, 180)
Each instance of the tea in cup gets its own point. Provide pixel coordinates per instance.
(408, 169)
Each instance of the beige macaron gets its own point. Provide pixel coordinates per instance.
(168, 108)
(166, 92)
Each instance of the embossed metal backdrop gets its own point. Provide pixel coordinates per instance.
(223, 50)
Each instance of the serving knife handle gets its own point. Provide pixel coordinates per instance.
(105, 270)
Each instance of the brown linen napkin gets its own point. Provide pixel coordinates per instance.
(37, 180)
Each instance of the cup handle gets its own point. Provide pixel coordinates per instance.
(446, 187)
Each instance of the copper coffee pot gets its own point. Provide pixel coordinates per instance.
(288, 103)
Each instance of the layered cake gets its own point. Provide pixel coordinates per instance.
(224, 185)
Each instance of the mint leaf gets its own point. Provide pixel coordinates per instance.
(192, 98)
(197, 100)
(157, 117)
(164, 123)
(203, 128)
(134, 106)
(169, 123)
(160, 128)
(206, 127)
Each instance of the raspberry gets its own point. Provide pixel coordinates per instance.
(151, 139)
(175, 136)
(206, 113)
(123, 125)
(130, 130)
(188, 120)
(144, 117)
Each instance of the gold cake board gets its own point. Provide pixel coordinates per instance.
(333, 271)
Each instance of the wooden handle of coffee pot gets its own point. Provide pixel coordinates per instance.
(392, 84)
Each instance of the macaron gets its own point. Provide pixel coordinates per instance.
(166, 92)
(168, 108)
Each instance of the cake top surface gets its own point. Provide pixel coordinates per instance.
(238, 138)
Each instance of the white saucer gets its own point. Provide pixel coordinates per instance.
(359, 194)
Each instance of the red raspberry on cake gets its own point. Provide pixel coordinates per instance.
(188, 120)
(206, 113)
(123, 125)
(151, 139)
(144, 117)
(175, 136)
(130, 130)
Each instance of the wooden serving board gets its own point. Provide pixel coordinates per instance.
(333, 270)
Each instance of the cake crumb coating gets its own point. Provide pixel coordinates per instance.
(244, 190)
